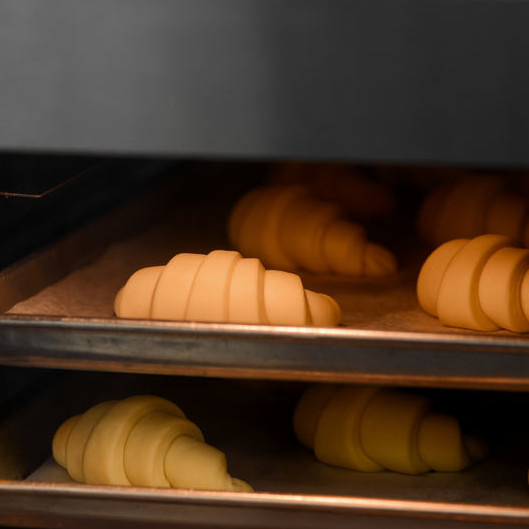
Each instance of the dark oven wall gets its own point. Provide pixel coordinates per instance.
(442, 81)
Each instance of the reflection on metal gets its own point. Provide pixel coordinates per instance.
(239, 351)
(292, 488)
(385, 338)
(45, 192)
(264, 510)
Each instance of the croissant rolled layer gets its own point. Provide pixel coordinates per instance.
(363, 197)
(142, 440)
(288, 229)
(222, 286)
(370, 429)
(480, 284)
(473, 206)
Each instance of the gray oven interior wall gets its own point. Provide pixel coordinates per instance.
(436, 81)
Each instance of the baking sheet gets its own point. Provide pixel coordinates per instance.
(385, 336)
(378, 304)
(251, 422)
(385, 304)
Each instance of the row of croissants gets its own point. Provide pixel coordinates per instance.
(308, 220)
(147, 440)
(475, 279)
(276, 231)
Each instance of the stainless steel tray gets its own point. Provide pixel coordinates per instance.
(60, 314)
(250, 422)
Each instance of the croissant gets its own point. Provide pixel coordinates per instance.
(223, 287)
(362, 197)
(144, 441)
(480, 284)
(290, 230)
(471, 207)
(370, 429)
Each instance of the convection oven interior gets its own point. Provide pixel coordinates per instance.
(79, 227)
(130, 130)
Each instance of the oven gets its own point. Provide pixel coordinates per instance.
(129, 132)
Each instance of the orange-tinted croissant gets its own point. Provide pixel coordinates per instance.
(222, 286)
(288, 229)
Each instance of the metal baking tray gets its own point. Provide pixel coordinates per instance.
(58, 311)
(251, 422)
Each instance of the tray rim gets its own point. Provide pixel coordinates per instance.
(266, 501)
(443, 358)
(469, 360)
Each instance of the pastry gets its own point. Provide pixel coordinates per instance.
(223, 287)
(144, 441)
(369, 429)
(480, 284)
(470, 207)
(362, 197)
(288, 229)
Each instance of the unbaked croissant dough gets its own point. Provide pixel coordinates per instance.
(288, 229)
(473, 206)
(144, 441)
(368, 429)
(222, 286)
(480, 284)
(363, 197)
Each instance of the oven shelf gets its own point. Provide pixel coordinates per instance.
(291, 487)
(385, 337)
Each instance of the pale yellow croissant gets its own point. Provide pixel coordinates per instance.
(369, 429)
(144, 441)
(473, 206)
(288, 229)
(480, 284)
(222, 286)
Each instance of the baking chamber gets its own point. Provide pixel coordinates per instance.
(63, 349)
(128, 132)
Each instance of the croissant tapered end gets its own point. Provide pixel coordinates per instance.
(476, 447)
(135, 299)
(117, 302)
(223, 287)
(238, 485)
(368, 429)
(379, 261)
(324, 310)
(308, 410)
(193, 464)
(441, 443)
(290, 230)
(142, 441)
(60, 439)
(479, 284)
